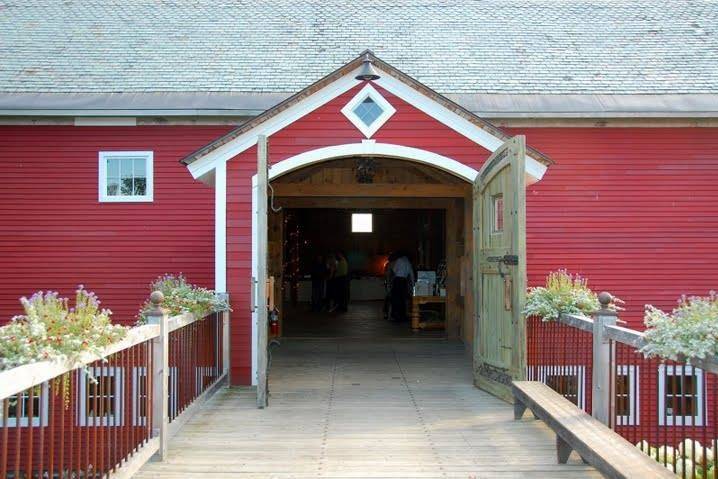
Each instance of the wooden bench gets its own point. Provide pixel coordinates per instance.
(577, 431)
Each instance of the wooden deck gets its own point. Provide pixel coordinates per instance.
(359, 409)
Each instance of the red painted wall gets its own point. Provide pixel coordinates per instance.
(633, 209)
(56, 235)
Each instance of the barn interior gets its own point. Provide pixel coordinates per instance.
(367, 212)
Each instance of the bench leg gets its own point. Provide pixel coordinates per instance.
(519, 409)
(563, 450)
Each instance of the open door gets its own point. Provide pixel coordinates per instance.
(500, 269)
(259, 288)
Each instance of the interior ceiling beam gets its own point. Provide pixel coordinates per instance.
(364, 203)
(371, 190)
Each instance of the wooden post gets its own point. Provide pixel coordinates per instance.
(262, 333)
(160, 371)
(226, 357)
(602, 375)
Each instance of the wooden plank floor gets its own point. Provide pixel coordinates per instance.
(361, 409)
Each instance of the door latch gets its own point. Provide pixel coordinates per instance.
(507, 259)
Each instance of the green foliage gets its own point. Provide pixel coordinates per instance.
(183, 297)
(51, 330)
(564, 293)
(691, 330)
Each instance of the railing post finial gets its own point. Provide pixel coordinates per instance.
(156, 299)
(606, 299)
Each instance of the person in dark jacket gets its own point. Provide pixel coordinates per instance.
(319, 279)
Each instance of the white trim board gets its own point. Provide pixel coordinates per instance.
(427, 105)
(276, 123)
(371, 148)
(220, 228)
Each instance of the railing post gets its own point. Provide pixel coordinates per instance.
(601, 402)
(225, 340)
(160, 370)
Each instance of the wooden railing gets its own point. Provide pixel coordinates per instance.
(107, 414)
(656, 402)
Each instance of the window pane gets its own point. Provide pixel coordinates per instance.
(567, 386)
(113, 168)
(113, 186)
(368, 111)
(362, 223)
(126, 168)
(139, 168)
(126, 186)
(140, 186)
(498, 214)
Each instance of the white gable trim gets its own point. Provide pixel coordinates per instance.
(427, 105)
(453, 120)
(276, 123)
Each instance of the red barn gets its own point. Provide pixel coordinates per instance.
(130, 149)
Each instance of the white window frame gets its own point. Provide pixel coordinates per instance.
(368, 92)
(664, 419)
(138, 373)
(544, 371)
(632, 371)
(38, 419)
(107, 371)
(148, 156)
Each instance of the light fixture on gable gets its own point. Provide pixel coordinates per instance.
(368, 110)
(367, 72)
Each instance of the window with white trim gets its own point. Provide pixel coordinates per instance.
(20, 407)
(569, 381)
(101, 396)
(681, 395)
(126, 176)
(627, 395)
(140, 404)
(368, 110)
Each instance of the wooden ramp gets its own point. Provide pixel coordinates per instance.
(361, 409)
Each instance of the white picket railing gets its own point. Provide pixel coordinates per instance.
(107, 414)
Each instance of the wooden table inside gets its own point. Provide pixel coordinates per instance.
(416, 301)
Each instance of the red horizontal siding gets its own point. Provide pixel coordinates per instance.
(56, 235)
(635, 210)
(632, 209)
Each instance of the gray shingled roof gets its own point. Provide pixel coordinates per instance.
(490, 46)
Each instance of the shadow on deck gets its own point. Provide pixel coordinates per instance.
(359, 409)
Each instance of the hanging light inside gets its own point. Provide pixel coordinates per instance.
(367, 72)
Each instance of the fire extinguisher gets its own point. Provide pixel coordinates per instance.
(274, 322)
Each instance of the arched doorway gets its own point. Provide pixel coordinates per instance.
(413, 206)
(491, 210)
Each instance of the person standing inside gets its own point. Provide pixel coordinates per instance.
(319, 277)
(342, 282)
(331, 270)
(403, 273)
(388, 280)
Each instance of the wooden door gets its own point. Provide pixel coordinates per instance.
(260, 285)
(500, 269)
